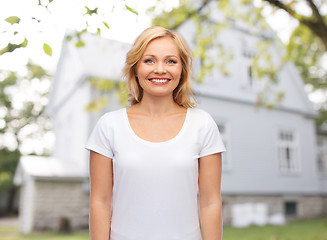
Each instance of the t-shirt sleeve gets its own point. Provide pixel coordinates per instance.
(99, 140)
(211, 139)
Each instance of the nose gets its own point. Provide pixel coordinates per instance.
(160, 68)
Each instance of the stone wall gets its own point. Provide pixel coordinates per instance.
(324, 201)
(60, 202)
(55, 201)
(307, 206)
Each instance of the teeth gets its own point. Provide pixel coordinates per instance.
(159, 80)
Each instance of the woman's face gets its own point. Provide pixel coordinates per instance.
(159, 69)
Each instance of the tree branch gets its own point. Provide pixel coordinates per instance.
(319, 21)
(281, 5)
(192, 13)
(316, 22)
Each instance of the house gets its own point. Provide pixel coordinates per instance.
(54, 191)
(52, 194)
(270, 169)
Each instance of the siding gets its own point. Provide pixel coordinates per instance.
(253, 140)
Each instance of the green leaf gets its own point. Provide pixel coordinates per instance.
(38, 20)
(12, 47)
(80, 43)
(6, 179)
(47, 49)
(68, 38)
(131, 9)
(90, 12)
(98, 104)
(12, 20)
(80, 33)
(24, 44)
(106, 24)
(98, 31)
(102, 84)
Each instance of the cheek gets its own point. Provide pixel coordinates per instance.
(142, 72)
(178, 73)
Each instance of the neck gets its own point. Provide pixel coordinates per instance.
(158, 106)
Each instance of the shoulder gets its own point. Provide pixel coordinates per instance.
(114, 113)
(200, 114)
(112, 116)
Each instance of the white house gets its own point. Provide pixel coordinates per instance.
(270, 169)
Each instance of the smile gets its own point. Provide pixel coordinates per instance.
(159, 80)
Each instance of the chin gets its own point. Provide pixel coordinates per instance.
(160, 94)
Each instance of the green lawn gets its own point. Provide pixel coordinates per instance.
(298, 230)
(12, 233)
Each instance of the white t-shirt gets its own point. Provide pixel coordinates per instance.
(155, 184)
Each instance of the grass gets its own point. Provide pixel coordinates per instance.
(315, 229)
(12, 233)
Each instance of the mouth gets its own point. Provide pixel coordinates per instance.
(159, 80)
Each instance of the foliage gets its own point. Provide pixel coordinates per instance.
(22, 104)
(89, 13)
(307, 46)
(8, 164)
(47, 49)
(210, 18)
(316, 22)
(104, 87)
(307, 52)
(322, 116)
(21, 112)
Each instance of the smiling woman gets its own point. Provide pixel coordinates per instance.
(178, 55)
(147, 160)
(159, 70)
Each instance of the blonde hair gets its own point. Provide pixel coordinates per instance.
(183, 94)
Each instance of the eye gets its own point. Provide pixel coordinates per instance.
(148, 61)
(172, 61)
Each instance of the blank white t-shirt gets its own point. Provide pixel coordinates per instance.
(155, 184)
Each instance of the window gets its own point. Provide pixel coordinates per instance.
(290, 209)
(288, 152)
(248, 53)
(248, 60)
(322, 156)
(226, 164)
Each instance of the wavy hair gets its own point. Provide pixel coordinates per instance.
(182, 94)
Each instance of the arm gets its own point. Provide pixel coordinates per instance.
(210, 197)
(101, 183)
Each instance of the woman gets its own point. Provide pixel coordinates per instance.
(147, 160)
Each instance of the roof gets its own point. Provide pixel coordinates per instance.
(105, 58)
(100, 57)
(47, 168)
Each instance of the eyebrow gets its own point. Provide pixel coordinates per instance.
(151, 55)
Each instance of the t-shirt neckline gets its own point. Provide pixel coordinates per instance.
(130, 129)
